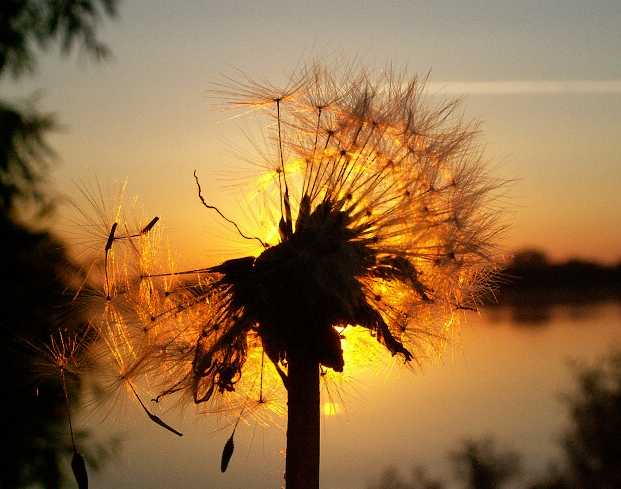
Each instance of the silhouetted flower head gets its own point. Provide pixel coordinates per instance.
(384, 221)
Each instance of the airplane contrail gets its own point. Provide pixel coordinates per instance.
(517, 87)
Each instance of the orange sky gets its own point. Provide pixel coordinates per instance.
(546, 83)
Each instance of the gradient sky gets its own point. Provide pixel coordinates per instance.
(544, 77)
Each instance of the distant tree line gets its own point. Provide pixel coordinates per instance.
(530, 277)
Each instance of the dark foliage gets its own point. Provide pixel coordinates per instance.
(36, 272)
(34, 417)
(479, 464)
(26, 25)
(392, 479)
(25, 156)
(591, 446)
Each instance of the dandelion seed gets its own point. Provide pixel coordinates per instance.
(61, 356)
(111, 237)
(150, 225)
(156, 419)
(227, 453)
(107, 249)
(78, 466)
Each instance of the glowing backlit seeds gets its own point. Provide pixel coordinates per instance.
(357, 200)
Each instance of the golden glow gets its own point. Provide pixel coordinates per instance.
(329, 408)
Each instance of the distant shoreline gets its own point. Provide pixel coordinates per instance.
(530, 280)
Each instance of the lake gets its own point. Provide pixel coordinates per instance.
(503, 375)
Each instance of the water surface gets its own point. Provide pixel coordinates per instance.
(503, 377)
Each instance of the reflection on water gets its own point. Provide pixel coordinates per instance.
(498, 378)
(540, 313)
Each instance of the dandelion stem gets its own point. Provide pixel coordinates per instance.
(309, 171)
(282, 159)
(302, 461)
(287, 214)
(320, 170)
(64, 384)
(184, 272)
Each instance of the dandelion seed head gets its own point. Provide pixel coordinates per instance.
(375, 227)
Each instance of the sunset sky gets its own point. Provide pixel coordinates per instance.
(544, 78)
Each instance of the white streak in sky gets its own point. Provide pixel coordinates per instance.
(518, 87)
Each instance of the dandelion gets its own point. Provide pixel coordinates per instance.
(385, 223)
(60, 358)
